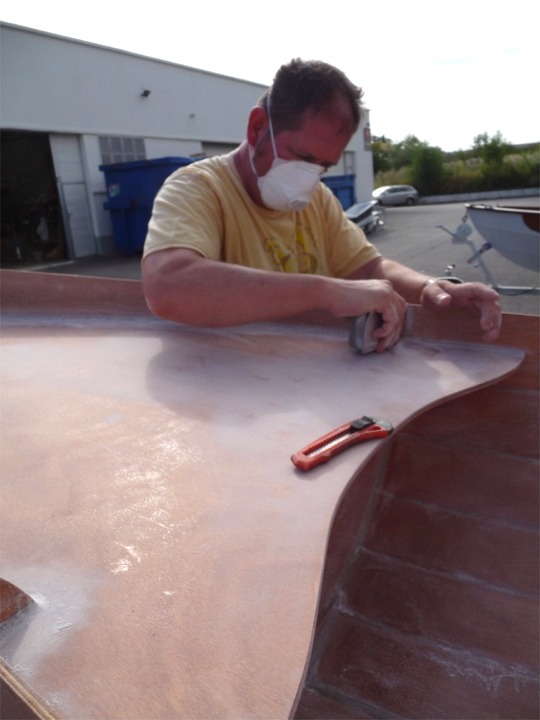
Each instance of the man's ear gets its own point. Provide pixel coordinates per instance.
(257, 125)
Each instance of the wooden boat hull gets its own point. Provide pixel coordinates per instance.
(511, 231)
(429, 604)
(179, 565)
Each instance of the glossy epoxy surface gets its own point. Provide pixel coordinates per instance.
(151, 510)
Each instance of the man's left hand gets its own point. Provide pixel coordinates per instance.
(474, 296)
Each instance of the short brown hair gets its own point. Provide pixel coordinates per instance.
(309, 85)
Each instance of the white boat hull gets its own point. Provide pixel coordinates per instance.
(511, 231)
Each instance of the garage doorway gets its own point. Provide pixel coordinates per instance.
(32, 228)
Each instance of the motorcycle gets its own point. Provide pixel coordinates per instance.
(369, 216)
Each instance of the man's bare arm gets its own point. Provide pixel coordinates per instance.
(407, 282)
(182, 286)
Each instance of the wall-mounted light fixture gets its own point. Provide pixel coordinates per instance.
(145, 93)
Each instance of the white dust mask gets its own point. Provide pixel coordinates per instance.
(289, 184)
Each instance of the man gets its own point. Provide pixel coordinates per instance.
(255, 236)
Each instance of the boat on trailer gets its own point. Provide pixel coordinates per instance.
(512, 231)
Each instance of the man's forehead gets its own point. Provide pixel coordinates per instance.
(318, 142)
(336, 119)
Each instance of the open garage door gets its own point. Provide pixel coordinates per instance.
(32, 229)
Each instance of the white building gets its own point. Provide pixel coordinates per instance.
(68, 107)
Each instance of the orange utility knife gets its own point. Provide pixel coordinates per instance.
(321, 450)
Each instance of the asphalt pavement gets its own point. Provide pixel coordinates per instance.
(410, 235)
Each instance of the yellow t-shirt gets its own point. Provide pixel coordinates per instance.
(205, 207)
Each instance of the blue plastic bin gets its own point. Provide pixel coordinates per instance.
(131, 189)
(343, 188)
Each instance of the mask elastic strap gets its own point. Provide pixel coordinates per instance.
(250, 155)
(271, 127)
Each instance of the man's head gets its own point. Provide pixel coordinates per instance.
(298, 130)
(311, 86)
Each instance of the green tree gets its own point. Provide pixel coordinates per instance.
(492, 150)
(427, 169)
(381, 158)
(401, 154)
(389, 156)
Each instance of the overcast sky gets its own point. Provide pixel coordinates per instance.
(444, 72)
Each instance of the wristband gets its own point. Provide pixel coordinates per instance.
(430, 281)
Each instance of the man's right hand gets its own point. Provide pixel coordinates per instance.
(351, 298)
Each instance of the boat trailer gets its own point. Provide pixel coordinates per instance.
(462, 235)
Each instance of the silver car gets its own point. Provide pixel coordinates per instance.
(395, 195)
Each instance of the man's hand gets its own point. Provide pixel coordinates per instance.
(351, 298)
(473, 296)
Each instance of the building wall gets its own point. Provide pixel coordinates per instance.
(62, 85)
(80, 90)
